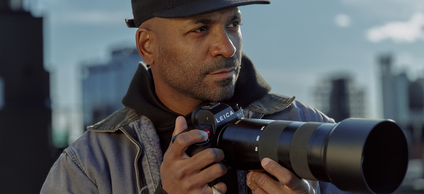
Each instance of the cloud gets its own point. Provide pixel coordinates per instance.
(82, 12)
(342, 20)
(94, 17)
(399, 32)
(385, 9)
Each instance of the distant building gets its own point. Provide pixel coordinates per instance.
(25, 113)
(403, 99)
(104, 85)
(394, 92)
(340, 98)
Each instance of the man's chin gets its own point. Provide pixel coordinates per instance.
(224, 94)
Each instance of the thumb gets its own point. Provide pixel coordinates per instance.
(180, 126)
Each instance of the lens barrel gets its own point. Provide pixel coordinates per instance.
(357, 155)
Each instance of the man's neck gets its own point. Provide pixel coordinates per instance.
(177, 102)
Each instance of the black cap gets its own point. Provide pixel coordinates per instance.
(146, 9)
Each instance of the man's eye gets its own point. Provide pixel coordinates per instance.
(234, 25)
(201, 29)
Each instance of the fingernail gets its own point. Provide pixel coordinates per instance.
(265, 162)
(205, 135)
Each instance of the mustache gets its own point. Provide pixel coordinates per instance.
(223, 63)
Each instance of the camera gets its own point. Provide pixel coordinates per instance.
(356, 155)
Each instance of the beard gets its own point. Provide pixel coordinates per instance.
(192, 78)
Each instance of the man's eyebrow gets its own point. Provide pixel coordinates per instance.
(236, 16)
(202, 21)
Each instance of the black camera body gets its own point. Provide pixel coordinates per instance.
(357, 155)
(211, 119)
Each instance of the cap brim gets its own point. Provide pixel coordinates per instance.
(204, 6)
(130, 23)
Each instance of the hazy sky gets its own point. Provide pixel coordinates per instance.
(293, 43)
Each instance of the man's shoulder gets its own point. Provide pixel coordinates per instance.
(112, 135)
(281, 107)
(104, 134)
(115, 121)
(121, 126)
(271, 103)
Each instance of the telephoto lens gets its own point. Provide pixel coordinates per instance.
(356, 155)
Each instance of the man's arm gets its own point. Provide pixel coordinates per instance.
(66, 177)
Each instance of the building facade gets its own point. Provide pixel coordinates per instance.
(104, 85)
(340, 98)
(402, 98)
(25, 112)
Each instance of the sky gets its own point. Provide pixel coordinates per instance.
(293, 44)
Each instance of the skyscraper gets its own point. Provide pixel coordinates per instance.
(340, 98)
(25, 114)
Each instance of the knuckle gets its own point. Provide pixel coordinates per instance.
(220, 169)
(253, 187)
(211, 155)
(261, 179)
(180, 173)
(181, 140)
(189, 185)
(214, 155)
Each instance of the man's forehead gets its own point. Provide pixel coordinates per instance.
(229, 14)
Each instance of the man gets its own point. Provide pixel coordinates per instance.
(193, 52)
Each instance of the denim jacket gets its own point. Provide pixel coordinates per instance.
(122, 153)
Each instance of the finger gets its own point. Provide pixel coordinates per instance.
(251, 183)
(184, 140)
(220, 187)
(180, 126)
(206, 157)
(211, 173)
(285, 176)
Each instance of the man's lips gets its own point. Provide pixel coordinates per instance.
(223, 73)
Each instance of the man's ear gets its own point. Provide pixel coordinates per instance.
(145, 41)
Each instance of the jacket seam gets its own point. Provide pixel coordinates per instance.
(139, 153)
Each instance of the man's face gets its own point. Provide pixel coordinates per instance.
(199, 57)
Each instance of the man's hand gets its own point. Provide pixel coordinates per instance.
(183, 174)
(261, 183)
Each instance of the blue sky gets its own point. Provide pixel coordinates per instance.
(293, 44)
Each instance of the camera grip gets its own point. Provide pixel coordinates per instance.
(198, 147)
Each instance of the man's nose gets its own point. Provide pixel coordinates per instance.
(222, 45)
